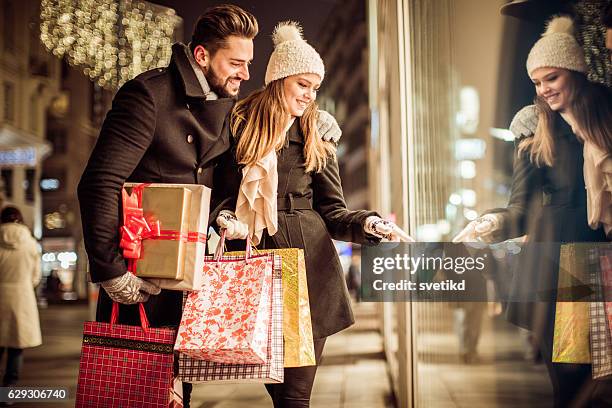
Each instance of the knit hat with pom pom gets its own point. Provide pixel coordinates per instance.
(292, 55)
(557, 48)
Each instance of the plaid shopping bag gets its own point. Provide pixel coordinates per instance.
(126, 366)
(227, 320)
(606, 284)
(199, 371)
(600, 265)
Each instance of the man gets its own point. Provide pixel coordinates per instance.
(165, 126)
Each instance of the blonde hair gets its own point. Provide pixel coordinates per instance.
(591, 108)
(259, 122)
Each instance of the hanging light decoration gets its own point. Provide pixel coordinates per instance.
(112, 40)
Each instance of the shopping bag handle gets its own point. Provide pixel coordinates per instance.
(144, 321)
(221, 245)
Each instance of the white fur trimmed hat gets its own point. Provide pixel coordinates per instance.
(557, 48)
(292, 55)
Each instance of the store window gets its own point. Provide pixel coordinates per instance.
(447, 79)
(30, 185)
(9, 101)
(8, 26)
(34, 112)
(58, 138)
(7, 182)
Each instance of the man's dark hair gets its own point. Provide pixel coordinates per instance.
(11, 214)
(219, 22)
(607, 16)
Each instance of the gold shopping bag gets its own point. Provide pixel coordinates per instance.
(297, 324)
(571, 343)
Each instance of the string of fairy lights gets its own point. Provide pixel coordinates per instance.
(112, 40)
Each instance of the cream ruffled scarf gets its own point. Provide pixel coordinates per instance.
(256, 205)
(598, 182)
(597, 171)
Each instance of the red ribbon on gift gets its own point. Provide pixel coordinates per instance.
(136, 227)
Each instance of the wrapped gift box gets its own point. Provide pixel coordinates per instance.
(180, 213)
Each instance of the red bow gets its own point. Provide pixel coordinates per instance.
(136, 227)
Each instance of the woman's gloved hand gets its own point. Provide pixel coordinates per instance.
(234, 229)
(328, 127)
(525, 122)
(129, 289)
(480, 230)
(385, 229)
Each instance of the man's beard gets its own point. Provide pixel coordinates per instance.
(217, 84)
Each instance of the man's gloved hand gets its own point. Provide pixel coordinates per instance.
(129, 289)
(328, 127)
(525, 122)
(234, 229)
(480, 230)
(385, 229)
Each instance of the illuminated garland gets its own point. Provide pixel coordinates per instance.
(112, 40)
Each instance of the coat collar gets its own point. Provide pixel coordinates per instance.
(295, 134)
(188, 79)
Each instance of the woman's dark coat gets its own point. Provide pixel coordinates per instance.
(161, 129)
(312, 211)
(549, 205)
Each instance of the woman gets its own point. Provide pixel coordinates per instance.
(290, 194)
(19, 275)
(548, 201)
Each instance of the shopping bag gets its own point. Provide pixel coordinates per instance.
(193, 370)
(571, 331)
(297, 324)
(228, 319)
(601, 337)
(126, 366)
(606, 284)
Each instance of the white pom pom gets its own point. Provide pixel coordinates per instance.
(286, 31)
(560, 24)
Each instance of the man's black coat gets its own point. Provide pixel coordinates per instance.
(160, 129)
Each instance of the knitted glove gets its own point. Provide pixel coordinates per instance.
(525, 122)
(385, 229)
(129, 289)
(481, 229)
(234, 229)
(328, 127)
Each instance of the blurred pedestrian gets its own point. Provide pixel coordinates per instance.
(548, 199)
(19, 275)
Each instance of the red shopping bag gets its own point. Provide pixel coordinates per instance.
(126, 366)
(192, 370)
(228, 319)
